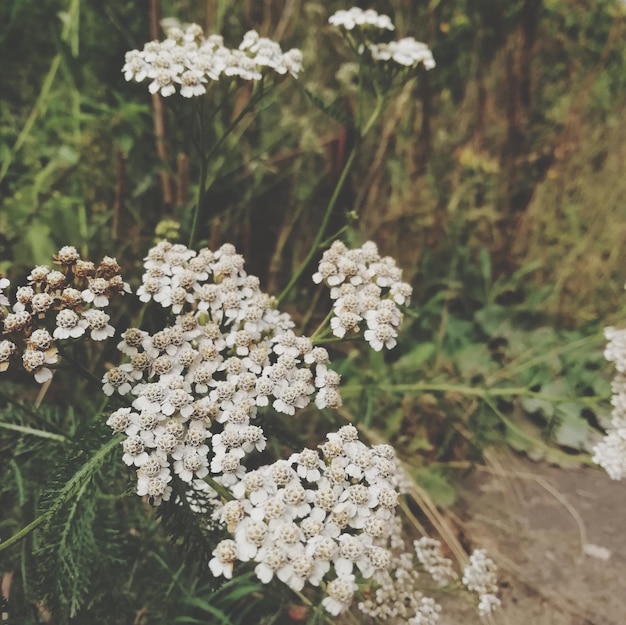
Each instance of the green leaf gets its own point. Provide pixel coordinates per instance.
(474, 360)
(574, 431)
(416, 358)
(40, 242)
(533, 405)
(437, 486)
(491, 318)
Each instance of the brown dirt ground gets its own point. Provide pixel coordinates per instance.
(535, 520)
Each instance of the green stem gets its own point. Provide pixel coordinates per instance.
(473, 391)
(202, 183)
(74, 485)
(320, 233)
(310, 604)
(79, 367)
(332, 202)
(25, 531)
(33, 432)
(206, 159)
(219, 488)
(27, 411)
(322, 328)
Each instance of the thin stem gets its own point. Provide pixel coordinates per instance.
(79, 367)
(219, 488)
(475, 392)
(202, 183)
(332, 202)
(27, 411)
(310, 604)
(25, 531)
(33, 432)
(206, 159)
(73, 486)
(322, 229)
(322, 328)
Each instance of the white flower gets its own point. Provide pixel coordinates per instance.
(364, 286)
(98, 322)
(481, 577)
(35, 362)
(224, 557)
(119, 420)
(271, 560)
(340, 594)
(352, 550)
(69, 325)
(192, 83)
(355, 16)
(309, 465)
(192, 465)
(428, 551)
(116, 379)
(134, 453)
(610, 453)
(427, 612)
(406, 52)
(4, 283)
(156, 488)
(250, 536)
(95, 294)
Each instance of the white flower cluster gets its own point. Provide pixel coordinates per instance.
(199, 384)
(364, 287)
(187, 59)
(395, 597)
(311, 518)
(428, 552)
(610, 452)
(481, 577)
(56, 305)
(406, 52)
(356, 17)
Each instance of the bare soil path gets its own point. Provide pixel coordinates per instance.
(559, 538)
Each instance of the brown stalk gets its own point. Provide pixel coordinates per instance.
(120, 190)
(159, 116)
(182, 187)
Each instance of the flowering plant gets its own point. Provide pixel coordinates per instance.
(198, 395)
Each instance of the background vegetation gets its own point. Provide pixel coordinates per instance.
(496, 181)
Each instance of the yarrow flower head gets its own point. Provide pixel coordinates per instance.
(199, 386)
(481, 577)
(361, 28)
(366, 289)
(359, 18)
(57, 305)
(610, 452)
(311, 518)
(406, 52)
(186, 61)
